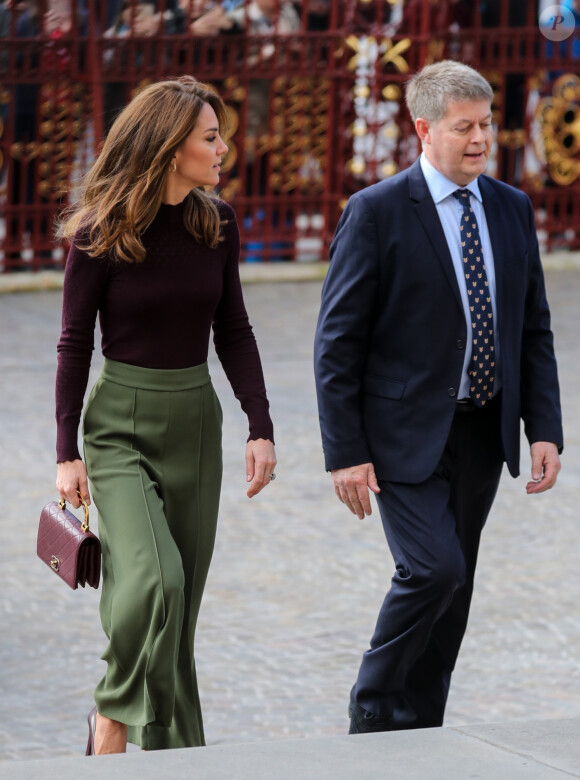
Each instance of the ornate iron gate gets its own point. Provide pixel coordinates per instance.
(316, 106)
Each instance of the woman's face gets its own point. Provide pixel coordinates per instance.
(199, 157)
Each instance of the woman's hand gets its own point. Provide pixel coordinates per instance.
(71, 476)
(260, 464)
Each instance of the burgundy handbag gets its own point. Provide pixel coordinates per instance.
(68, 546)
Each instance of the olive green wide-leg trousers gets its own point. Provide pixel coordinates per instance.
(152, 442)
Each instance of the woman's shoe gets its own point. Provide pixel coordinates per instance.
(92, 728)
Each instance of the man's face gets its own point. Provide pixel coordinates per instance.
(459, 144)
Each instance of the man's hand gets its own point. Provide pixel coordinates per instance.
(211, 22)
(545, 466)
(352, 485)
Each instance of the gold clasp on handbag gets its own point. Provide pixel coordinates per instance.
(54, 563)
(85, 523)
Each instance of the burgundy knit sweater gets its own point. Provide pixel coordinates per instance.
(158, 314)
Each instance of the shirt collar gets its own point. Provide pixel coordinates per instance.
(440, 186)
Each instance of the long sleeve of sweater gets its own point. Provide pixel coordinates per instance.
(158, 314)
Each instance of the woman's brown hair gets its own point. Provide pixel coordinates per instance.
(124, 188)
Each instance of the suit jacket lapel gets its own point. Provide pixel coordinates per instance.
(494, 217)
(427, 213)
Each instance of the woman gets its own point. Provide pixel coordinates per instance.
(157, 258)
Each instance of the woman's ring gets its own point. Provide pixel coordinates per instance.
(272, 477)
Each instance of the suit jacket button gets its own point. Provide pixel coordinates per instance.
(460, 344)
(452, 392)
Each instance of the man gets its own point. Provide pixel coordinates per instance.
(433, 341)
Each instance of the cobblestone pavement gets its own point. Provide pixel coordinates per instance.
(296, 581)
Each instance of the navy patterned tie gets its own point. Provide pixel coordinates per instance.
(482, 366)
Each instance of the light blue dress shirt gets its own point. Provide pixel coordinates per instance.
(450, 211)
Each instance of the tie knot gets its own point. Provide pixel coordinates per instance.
(462, 195)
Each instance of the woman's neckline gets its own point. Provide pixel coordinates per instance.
(174, 205)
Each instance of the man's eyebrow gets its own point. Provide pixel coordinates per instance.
(470, 121)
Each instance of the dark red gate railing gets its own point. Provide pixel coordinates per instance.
(316, 101)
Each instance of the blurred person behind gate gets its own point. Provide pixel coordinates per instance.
(144, 19)
(257, 18)
(47, 122)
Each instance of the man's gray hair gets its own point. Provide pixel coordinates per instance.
(429, 91)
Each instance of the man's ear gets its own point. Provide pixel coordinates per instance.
(423, 127)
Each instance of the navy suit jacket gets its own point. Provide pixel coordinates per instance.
(391, 335)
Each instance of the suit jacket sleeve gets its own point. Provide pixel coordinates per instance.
(539, 393)
(341, 342)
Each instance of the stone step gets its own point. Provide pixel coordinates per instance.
(530, 750)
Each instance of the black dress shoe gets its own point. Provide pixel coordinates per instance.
(92, 728)
(364, 722)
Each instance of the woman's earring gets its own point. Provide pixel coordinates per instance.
(173, 167)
